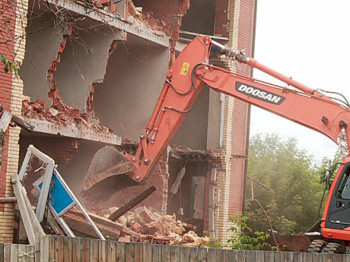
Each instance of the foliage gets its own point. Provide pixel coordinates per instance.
(243, 237)
(8, 66)
(292, 203)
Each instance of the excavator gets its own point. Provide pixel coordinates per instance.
(185, 79)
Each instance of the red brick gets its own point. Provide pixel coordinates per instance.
(146, 215)
(136, 227)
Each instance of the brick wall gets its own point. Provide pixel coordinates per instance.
(61, 149)
(170, 11)
(235, 20)
(12, 43)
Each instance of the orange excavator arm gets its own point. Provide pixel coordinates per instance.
(187, 77)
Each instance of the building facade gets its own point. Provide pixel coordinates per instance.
(90, 73)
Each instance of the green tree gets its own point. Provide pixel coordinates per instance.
(292, 203)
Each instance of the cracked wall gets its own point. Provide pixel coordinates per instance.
(84, 60)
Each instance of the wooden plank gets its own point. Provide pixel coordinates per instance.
(5, 121)
(44, 244)
(289, 256)
(7, 252)
(23, 209)
(29, 253)
(147, 252)
(138, 252)
(21, 123)
(280, 256)
(175, 253)
(67, 249)
(211, 255)
(269, 256)
(202, 254)
(111, 252)
(44, 192)
(59, 248)
(194, 254)
(14, 252)
(102, 251)
(240, 255)
(316, 257)
(38, 230)
(165, 253)
(120, 247)
(23, 254)
(250, 255)
(184, 254)
(129, 252)
(85, 247)
(132, 203)
(306, 257)
(337, 258)
(77, 250)
(231, 255)
(222, 255)
(93, 250)
(1, 252)
(297, 257)
(157, 253)
(259, 256)
(54, 224)
(327, 257)
(346, 258)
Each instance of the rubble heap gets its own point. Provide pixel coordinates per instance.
(148, 225)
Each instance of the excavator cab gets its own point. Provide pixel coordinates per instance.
(337, 212)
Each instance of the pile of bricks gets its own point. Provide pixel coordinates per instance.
(148, 225)
(62, 115)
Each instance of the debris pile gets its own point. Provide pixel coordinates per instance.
(148, 18)
(61, 115)
(150, 226)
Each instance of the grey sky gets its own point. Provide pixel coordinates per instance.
(308, 40)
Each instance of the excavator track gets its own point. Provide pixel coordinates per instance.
(322, 246)
(334, 248)
(317, 246)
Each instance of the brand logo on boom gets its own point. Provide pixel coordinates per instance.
(259, 94)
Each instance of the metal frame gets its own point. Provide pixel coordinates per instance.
(50, 164)
(45, 189)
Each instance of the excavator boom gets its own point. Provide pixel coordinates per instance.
(184, 81)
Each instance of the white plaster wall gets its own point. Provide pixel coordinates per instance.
(194, 129)
(83, 62)
(41, 49)
(134, 79)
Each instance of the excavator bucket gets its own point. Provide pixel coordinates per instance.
(107, 173)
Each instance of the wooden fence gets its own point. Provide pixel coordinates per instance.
(58, 248)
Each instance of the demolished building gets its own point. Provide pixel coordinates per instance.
(90, 72)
